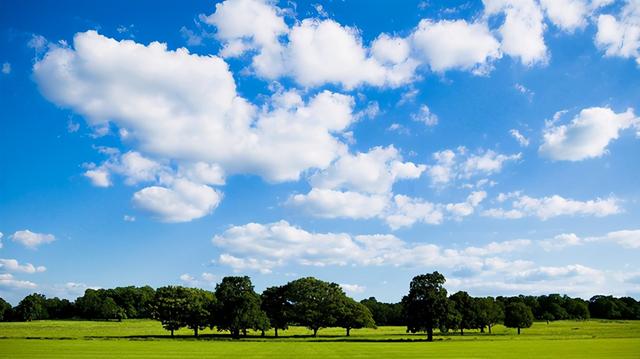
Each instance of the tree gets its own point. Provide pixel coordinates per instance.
(5, 310)
(196, 313)
(384, 313)
(489, 313)
(168, 307)
(32, 307)
(239, 306)
(354, 315)
(466, 306)
(426, 304)
(314, 303)
(518, 315)
(277, 308)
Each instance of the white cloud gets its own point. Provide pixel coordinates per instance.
(263, 247)
(462, 164)
(12, 265)
(7, 280)
(570, 15)
(405, 211)
(328, 203)
(251, 25)
(242, 264)
(205, 279)
(353, 288)
(463, 209)
(523, 141)
(425, 116)
(6, 68)
(98, 176)
(374, 171)
(554, 206)
(1, 235)
(31, 239)
(522, 32)
(128, 218)
(576, 272)
(629, 239)
(183, 201)
(324, 51)
(620, 36)
(191, 113)
(446, 45)
(587, 135)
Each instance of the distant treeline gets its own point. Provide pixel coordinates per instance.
(315, 304)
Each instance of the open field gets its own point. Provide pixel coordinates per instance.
(146, 339)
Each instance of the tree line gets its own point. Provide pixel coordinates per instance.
(235, 306)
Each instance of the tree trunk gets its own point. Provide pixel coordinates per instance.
(236, 333)
(171, 333)
(482, 329)
(244, 332)
(195, 331)
(315, 332)
(276, 329)
(461, 331)
(518, 330)
(262, 334)
(348, 331)
(489, 326)
(429, 334)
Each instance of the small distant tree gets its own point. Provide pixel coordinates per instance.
(489, 313)
(426, 304)
(5, 310)
(466, 306)
(196, 312)
(314, 303)
(239, 306)
(354, 315)
(518, 315)
(547, 317)
(168, 307)
(32, 307)
(276, 306)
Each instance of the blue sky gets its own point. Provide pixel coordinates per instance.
(358, 142)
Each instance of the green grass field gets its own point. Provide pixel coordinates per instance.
(146, 339)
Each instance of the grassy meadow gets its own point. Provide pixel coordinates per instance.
(147, 339)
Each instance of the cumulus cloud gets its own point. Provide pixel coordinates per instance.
(587, 135)
(6, 68)
(461, 164)
(32, 239)
(263, 247)
(183, 109)
(328, 203)
(191, 113)
(182, 201)
(7, 280)
(446, 45)
(620, 35)
(522, 32)
(553, 206)
(374, 171)
(12, 265)
(425, 116)
(629, 239)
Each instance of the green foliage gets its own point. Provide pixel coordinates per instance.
(239, 306)
(489, 313)
(32, 307)
(314, 303)
(425, 306)
(518, 315)
(5, 310)
(384, 313)
(354, 315)
(276, 307)
(466, 306)
(168, 308)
